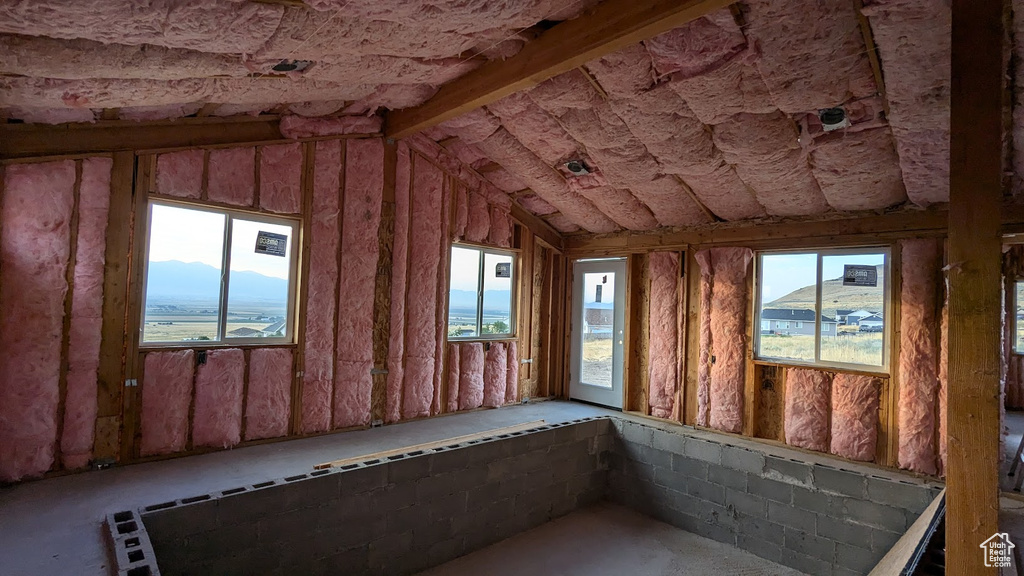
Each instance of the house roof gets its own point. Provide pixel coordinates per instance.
(245, 332)
(669, 139)
(274, 328)
(791, 314)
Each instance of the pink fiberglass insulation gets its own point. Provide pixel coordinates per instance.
(545, 181)
(535, 128)
(632, 71)
(495, 374)
(731, 88)
(318, 372)
(425, 238)
(562, 224)
(364, 189)
(619, 205)
(34, 115)
(473, 127)
(512, 373)
(314, 109)
(768, 157)
(505, 181)
(500, 234)
(399, 273)
(917, 80)
(670, 203)
(35, 239)
(707, 275)
(440, 319)
(180, 173)
(854, 416)
(299, 127)
(219, 26)
(163, 112)
(478, 219)
(858, 170)
(461, 213)
(943, 381)
(536, 205)
(662, 351)
(812, 53)
(725, 194)
(921, 263)
(280, 178)
(728, 337)
(231, 176)
(471, 375)
(453, 378)
(807, 408)
(458, 169)
(217, 416)
(697, 47)
(86, 313)
(268, 406)
(166, 397)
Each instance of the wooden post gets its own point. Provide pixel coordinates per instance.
(382, 288)
(976, 152)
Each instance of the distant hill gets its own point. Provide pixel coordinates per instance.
(466, 299)
(185, 280)
(835, 296)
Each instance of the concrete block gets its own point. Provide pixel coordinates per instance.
(213, 543)
(805, 564)
(394, 496)
(748, 504)
(362, 479)
(855, 558)
(703, 450)
(876, 515)
(178, 522)
(717, 532)
(250, 506)
(727, 477)
(382, 552)
(791, 517)
(668, 441)
(458, 459)
(633, 433)
(743, 459)
(807, 543)
(445, 551)
(354, 561)
(819, 502)
(690, 466)
(715, 514)
(771, 551)
(656, 457)
(911, 497)
(760, 529)
(705, 491)
(883, 540)
(300, 523)
(839, 481)
(669, 479)
(769, 489)
(409, 469)
(445, 507)
(841, 531)
(438, 530)
(787, 470)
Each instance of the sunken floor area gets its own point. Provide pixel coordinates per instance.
(262, 509)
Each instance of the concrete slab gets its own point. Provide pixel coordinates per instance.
(611, 540)
(54, 526)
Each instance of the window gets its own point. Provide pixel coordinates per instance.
(217, 275)
(480, 293)
(1018, 317)
(843, 293)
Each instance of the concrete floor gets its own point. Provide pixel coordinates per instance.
(607, 539)
(54, 526)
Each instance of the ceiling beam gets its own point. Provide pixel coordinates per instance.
(609, 26)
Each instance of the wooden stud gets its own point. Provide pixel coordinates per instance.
(635, 373)
(382, 287)
(750, 385)
(541, 323)
(299, 322)
(204, 189)
(246, 353)
(693, 312)
(975, 197)
(537, 226)
(872, 50)
(441, 310)
(682, 345)
(109, 113)
(69, 277)
(525, 279)
(337, 285)
(696, 200)
(593, 82)
(601, 30)
(887, 447)
(258, 159)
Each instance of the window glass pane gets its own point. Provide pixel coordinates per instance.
(853, 308)
(1019, 317)
(788, 296)
(463, 292)
(183, 274)
(496, 313)
(258, 284)
(598, 328)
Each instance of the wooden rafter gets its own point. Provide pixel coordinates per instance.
(872, 49)
(609, 26)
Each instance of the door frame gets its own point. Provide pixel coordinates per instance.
(615, 397)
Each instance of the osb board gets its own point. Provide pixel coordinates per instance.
(638, 318)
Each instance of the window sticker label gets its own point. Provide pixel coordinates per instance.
(271, 244)
(860, 275)
(503, 270)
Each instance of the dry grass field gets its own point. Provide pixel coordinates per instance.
(597, 362)
(853, 348)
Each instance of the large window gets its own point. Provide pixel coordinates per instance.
(218, 276)
(480, 293)
(1018, 317)
(826, 308)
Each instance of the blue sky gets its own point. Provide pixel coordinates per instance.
(784, 273)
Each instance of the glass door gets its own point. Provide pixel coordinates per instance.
(598, 331)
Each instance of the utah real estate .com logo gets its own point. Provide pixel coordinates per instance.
(997, 550)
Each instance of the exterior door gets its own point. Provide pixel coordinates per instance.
(598, 326)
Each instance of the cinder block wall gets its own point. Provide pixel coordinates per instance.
(813, 517)
(397, 516)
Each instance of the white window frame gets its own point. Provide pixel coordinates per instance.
(513, 293)
(1016, 322)
(222, 341)
(888, 325)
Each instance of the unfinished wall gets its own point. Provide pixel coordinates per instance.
(665, 307)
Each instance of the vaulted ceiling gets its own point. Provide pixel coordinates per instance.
(719, 119)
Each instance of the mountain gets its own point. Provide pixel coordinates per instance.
(175, 279)
(466, 299)
(835, 296)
